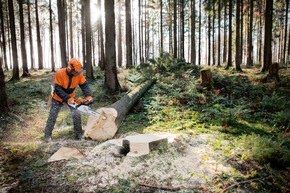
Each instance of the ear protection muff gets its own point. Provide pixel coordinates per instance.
(70, 68)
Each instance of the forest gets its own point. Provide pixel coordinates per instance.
(214, 74)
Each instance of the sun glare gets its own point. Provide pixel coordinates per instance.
(96, 12)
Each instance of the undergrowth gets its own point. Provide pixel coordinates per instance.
(250, 120)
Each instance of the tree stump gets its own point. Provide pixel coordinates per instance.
(273, 72)
(106, 125)
(205, 76)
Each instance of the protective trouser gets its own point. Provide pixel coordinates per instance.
(54, 110)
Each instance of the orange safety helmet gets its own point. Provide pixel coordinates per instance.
(75, 65)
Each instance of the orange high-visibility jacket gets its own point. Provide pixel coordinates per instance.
(65, 84)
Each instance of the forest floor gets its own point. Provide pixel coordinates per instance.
(233, 137)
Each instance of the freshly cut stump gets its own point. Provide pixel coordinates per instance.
(106, 125)
(142, 144)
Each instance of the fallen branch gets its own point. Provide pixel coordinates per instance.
(238, 183)
(160, 187)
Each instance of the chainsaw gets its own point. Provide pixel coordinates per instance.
(82, 106)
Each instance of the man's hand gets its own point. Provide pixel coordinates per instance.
(71, 100)
(89, 100)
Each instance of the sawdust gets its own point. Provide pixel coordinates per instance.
(186, 163)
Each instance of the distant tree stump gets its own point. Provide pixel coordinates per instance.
(205, 76)
(273, 73)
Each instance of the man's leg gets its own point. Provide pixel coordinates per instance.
(54, 110)
(77, 120)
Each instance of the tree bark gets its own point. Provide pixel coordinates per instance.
(3, 39)
(30, 37)
(120, 58)
(225, 32)
(199, 34)
(15, 73)
(3, 96)
(106, 125)
(219, 34)
(175, 29)
(250, 38)
(238, 37)
(111, 80)
(182, 32)
(101, 43)
(62, 37)
(39, 46)
(192, 19)
(229, 63)
(89, 66)
(209, 42)
(51, 38)
(23, 44)
(129, 63)
(268, 36)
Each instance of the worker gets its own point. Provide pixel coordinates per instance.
(65, 82)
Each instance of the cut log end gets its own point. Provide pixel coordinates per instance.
(103, 127)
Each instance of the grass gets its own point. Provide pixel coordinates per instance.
(250, 120)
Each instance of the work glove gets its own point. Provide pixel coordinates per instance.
(80, 100)
(89, 100)
(71, 100)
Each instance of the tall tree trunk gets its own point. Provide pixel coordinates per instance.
(209, 41)
(4, 108)
(268, 36)
(71, 30)
(62, 36)
(89, 66)
(285, 33)
(9, 38)
(15, 72)
(129, 45)
(39, 46)
(3, 37)
(288, 53)
(242, 31)
(111, 80)
(199, 34)
(225, 32)
(193, 49)
(260, 33)
(182, 29)
(219, 34)
(175, 29)
(229, 63)
(213, 35)
(170, 38)
(101, 35)
(30, 37)
(140, 19)
(22, 37)
(250, 36)
(51, 39)
(238, 36)
(83, 26)
(120, 57)
(146, 32)
(161, 27)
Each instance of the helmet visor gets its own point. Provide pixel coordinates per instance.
(78, 71)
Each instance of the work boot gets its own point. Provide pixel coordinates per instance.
(47, 139)
(79, 136)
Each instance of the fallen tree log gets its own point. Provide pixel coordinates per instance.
(106, 125)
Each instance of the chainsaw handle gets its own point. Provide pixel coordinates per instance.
(85, 102)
